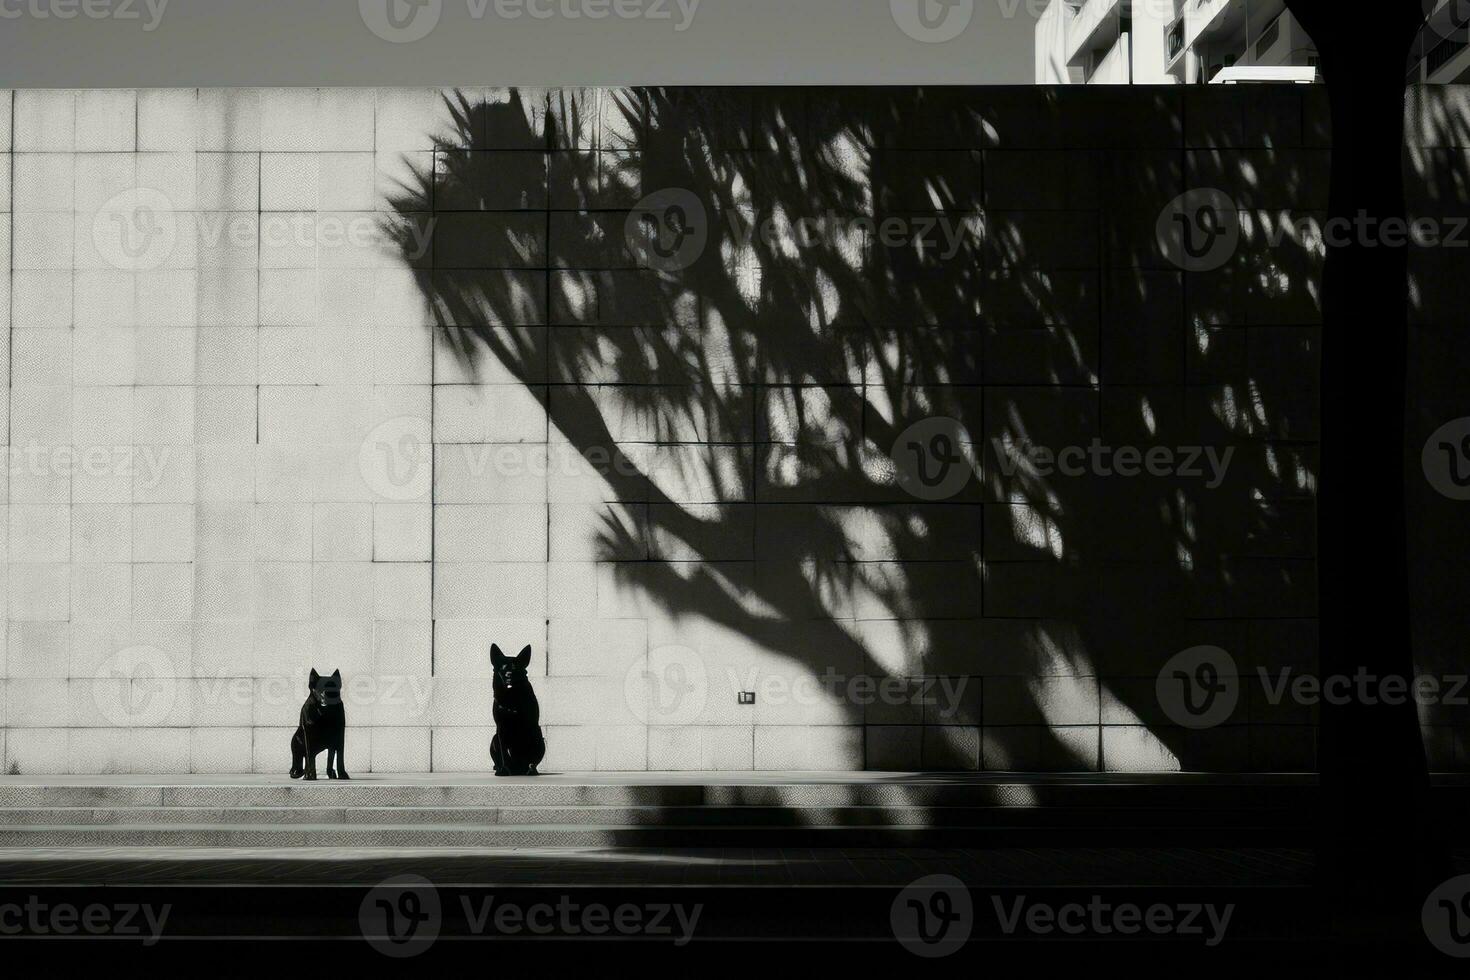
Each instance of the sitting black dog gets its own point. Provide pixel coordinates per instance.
(323, 726)
(518, 746)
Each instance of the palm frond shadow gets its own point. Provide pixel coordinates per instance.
(743, 409)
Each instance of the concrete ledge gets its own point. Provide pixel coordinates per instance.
(632, 867)
(120, 781)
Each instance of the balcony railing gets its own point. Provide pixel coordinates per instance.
(1443, 53)
(1269, 37)
(1174, 40)
(1089, 19)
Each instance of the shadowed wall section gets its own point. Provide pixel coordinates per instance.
(637, 377)
(751, 300)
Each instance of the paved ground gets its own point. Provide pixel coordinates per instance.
(1060, 866)
(1045, 867)
(747, 896)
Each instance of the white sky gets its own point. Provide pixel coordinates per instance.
(127, 43)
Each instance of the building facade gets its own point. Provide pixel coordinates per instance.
(1167, 42)
(1442, 54)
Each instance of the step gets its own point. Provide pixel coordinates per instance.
(591, 836)
(530, 792)
(653, 816)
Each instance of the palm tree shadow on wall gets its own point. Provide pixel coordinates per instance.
(962, 259)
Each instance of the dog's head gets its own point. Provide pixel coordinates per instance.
(510, 672)
(326, 690)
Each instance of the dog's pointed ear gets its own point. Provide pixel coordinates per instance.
(315, 678)
(337, 676)
(523, 659)
(496, 657)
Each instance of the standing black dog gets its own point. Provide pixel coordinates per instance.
(518, 746)
(323, 726)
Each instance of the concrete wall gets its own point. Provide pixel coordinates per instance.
(1438, 136)
(1051, 44)
(1137, 58)
(1115, 67)
(1151, 19)
(292, 467)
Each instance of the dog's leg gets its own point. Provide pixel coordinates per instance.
(342, 759)
(497, 755)
(331, 762)
(538, 752)
(298, 753)
(311, 752)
